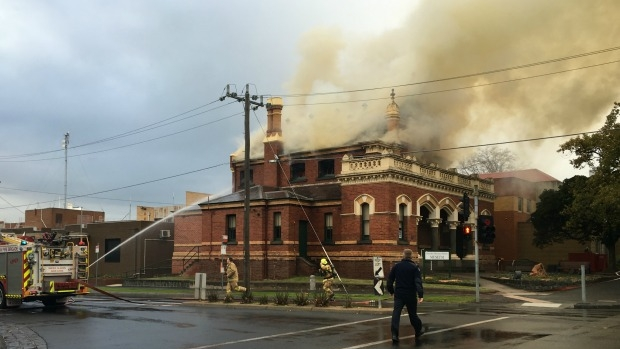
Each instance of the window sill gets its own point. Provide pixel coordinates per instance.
(276, 242)
(232, 242)
(364, 242)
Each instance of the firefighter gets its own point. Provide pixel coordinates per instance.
(328, 278)
(233, 277)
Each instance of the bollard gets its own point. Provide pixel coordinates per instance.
(312, 283)
(200, 286)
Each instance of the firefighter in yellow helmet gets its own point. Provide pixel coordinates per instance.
(328, 278)
(233, 277)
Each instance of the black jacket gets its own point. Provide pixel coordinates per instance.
(408, 279)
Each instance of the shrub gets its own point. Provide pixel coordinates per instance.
(247, 297)
(348, 301)
(212, 297)
(301, 299)
(263, 300)
(321, 299)
(281, 298)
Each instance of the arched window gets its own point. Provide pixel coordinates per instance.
(402, 221)
(365, 222)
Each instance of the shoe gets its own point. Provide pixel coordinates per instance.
(419, 334)
(394, 339)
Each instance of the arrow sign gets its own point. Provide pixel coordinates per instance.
(377, 264)
(378, 287)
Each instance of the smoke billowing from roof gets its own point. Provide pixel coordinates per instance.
(443, 39)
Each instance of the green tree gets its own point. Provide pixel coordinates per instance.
(595, 208)
(551, 215)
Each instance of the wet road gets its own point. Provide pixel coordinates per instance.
(103, 323)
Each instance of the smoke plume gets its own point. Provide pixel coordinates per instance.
(444, 39)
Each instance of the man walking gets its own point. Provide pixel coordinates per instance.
(408, 292)
(233, 277)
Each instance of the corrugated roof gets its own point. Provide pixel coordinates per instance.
(530, 175)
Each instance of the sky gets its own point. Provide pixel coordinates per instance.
(137, 86)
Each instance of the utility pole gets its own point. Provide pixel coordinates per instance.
(477, 260)
(247, 102)
(65, 146)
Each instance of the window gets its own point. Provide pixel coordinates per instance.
(329, 227)
(277, 226)
(365, 224)
(115, 256)
(520, 204)
(402, 221)
(231, 227)
(58, 218)
(326, 168)
(298, 172)
(528, 206)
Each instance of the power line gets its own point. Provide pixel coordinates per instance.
(124, 187)
(127, 133)
(456, 88)
(498, 143)
(528, 65)
(132, 144)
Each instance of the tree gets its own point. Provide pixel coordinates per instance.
(551, 215)
(586, 209)
(488, 160)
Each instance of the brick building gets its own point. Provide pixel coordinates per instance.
(58, 218)
(351, 202)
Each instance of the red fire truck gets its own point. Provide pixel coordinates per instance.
(49, 269)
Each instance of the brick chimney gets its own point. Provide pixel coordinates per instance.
(273, 142)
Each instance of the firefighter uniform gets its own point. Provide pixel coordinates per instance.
(328, 278)
(233, 278)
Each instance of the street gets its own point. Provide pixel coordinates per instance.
(104, 323)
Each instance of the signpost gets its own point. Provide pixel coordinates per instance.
(377, 269)
(437, 256)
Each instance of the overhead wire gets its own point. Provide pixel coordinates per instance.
(161, 123)
(142, 129)
(132, 144)
(528, 65)
(128, 186)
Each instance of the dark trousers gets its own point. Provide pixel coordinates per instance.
(411, 302)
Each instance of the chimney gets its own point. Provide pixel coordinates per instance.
(273, 142)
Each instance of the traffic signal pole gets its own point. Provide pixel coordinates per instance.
(477, 263)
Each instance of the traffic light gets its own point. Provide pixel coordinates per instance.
(486, 229)
(465, 201)
(461, 251)
(467, 232)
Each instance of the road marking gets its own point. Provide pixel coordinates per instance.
(290, 333)
(427, 333)
(542, 305)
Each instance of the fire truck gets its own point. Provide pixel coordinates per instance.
(50, 269)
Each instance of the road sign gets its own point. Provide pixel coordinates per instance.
(437, 255)
(377, 263)
(378, 287)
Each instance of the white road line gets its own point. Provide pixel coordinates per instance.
(542, 305)
(427, 333)
(290, 333)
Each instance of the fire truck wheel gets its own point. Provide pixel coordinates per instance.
(2, 298)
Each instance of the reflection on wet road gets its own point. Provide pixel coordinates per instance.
(100, 323)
